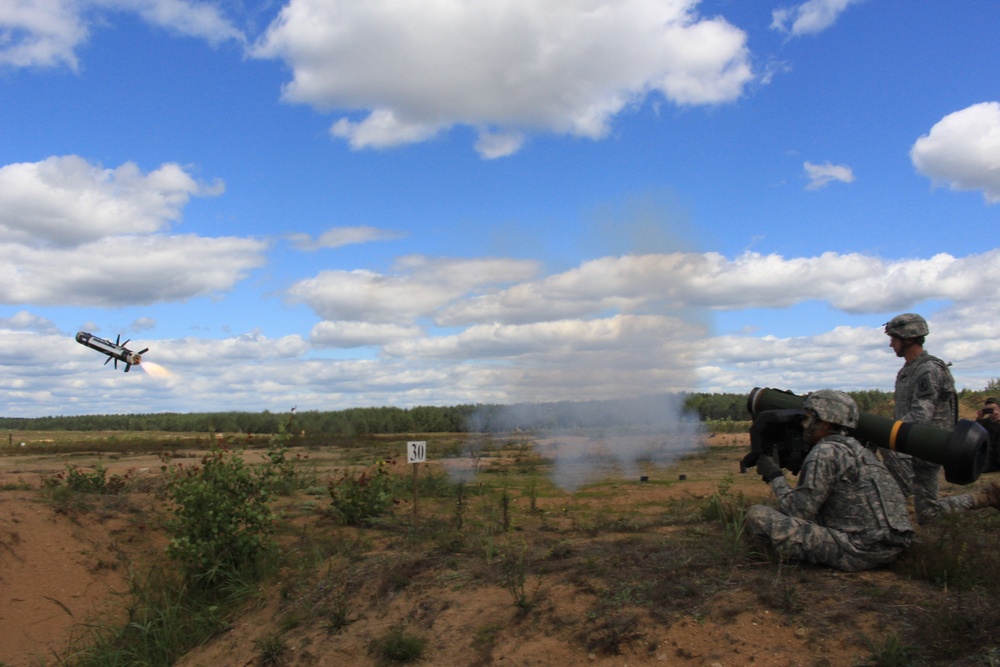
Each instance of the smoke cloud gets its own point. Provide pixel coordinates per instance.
(592, 439)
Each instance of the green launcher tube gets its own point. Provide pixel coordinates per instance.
(962, 451)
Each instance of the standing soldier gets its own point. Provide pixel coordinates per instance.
(845, 511)
(989, 418)
(925, 394)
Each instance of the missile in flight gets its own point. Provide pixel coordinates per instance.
(115, 350)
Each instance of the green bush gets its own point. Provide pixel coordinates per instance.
(359, 500)
(221, 520)
(287, 474)
(398, 647)
(82, 481)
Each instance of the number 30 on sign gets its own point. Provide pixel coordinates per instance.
(416, 451)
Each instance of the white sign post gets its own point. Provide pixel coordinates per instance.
(416, 453)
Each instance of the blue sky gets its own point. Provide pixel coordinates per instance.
(337, 203)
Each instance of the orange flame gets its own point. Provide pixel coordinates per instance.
(155, 369)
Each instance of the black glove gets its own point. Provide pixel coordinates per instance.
(767, 468)
(749, 461)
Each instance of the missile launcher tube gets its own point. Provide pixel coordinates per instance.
(962, 451)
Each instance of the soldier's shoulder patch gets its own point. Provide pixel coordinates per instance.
(924, 387)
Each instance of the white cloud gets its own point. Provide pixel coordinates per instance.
(360, 334)
(192, 19)
(126, 270)
(26, 321)
(336, 237)
(619, 326)
(821, 175)
(963, 150)
(420, 287)
(143, 324)
(493, 145)
(383, 128)
(66, 201)
(252, 346)
(642, 325)
(47, 33)
(100, 228)
(503, 67)
(40, 33)
(563, 337)
(460, 293)
(809, 17)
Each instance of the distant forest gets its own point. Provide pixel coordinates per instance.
(659, 411)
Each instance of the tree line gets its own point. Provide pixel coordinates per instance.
(660, 410)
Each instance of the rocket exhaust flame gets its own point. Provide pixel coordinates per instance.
(156, 370)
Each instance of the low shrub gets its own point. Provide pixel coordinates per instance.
(221, 519)
(81, 480)
(357, 500)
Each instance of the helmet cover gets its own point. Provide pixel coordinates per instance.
(907, 325)
(833, 406)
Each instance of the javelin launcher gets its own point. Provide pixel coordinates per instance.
(777, 420)
(116, 350)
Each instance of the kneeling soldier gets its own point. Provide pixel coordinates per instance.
(846, 511)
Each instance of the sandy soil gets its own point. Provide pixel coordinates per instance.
(60, 565)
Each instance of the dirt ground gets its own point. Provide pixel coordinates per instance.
(62, 565)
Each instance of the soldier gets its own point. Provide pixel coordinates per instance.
(925, 394)
(989, 418)
(846, 511)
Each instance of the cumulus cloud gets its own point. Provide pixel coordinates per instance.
(124, 270)
(639, 326)
(26, 321)
(821, 175)
(143, 324)
(191, 19)
(67, 201)
(341, 236)
(629, 324)
(809, 17)
(252, 346)
(103, 229)
(343, 334)
(47, 33)
(963, 150)
(492, 297)
(419, 287)
(568, 337)
(42, 33)
(409, 71)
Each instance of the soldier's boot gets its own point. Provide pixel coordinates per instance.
(988, 496)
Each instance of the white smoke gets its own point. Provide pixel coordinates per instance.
(633, 426)
(591, 440)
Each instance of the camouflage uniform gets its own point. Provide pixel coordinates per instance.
(845, 512)
(925, 394)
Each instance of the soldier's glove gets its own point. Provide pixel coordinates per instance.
(767, 468)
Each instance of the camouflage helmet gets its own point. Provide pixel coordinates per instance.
(832, 406)
(907, 325)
